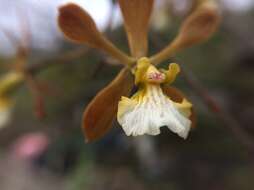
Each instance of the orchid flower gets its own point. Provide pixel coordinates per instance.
(150, 108)
(155, 104)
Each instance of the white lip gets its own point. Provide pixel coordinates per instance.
(153, 111)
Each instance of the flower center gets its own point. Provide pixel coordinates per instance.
(156, 77)
(153, 75)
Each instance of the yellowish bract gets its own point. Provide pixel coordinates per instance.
(8, 83)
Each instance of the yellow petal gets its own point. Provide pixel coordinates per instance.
(171, 73)
(184, 107)
(136, 14)
(142, 65)
(101, 111)
(145, 72)
(125, 105)
(78, 26)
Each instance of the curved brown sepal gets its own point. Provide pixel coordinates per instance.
(200, 25)
(78, 26)
(195, 29)
(101, 111)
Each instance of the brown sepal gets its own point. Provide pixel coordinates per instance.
(200, 25)
(77, 25)
(101, 111)
(136, 14)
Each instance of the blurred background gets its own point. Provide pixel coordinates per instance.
(41, 142)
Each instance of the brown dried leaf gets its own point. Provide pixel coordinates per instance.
(136, 14)
(177, 96)
(101, 111)
(78, 26)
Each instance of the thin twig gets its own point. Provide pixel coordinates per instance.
(67, 57)
(33, 85)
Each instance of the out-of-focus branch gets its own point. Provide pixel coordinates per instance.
(65, 58)
(230, 122)
(71, 55)
(33, 85)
